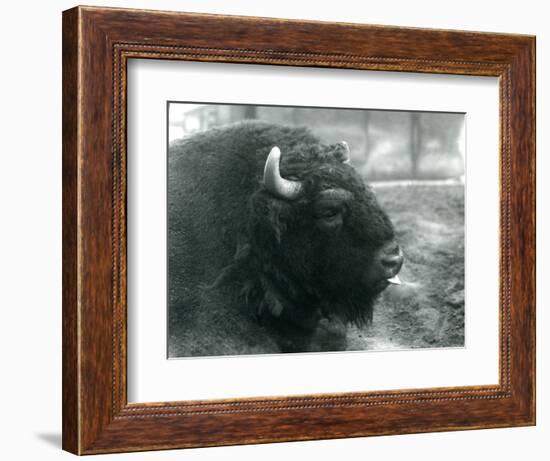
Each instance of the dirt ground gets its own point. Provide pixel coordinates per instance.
(427, 310)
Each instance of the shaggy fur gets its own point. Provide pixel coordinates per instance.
(253, 273)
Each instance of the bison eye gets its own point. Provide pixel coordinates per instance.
(329, 216)
(328, 208)
(327, 213)
(330, 224)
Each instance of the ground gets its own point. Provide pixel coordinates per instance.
(427, 310)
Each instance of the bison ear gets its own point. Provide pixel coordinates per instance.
(344, 152)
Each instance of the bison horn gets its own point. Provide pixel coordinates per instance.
(274, 182)
(346, 156)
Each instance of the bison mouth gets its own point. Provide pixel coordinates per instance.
(381, 285)
(387, 263)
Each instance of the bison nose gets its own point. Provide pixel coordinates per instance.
(390, 259)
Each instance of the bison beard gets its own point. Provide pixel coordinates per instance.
(252, 270)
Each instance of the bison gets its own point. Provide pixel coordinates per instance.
(275, 243)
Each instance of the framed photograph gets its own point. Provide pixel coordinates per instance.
(282, 230)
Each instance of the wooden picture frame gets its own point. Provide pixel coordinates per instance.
(97, 43)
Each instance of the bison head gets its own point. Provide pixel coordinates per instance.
(318, 244)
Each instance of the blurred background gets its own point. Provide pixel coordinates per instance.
(385, 145)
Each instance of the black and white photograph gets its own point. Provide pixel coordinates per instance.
(312, 229)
